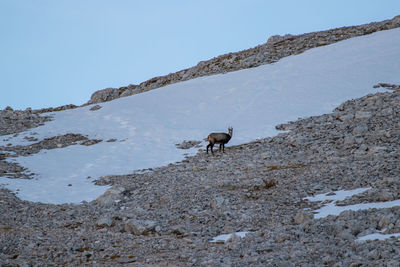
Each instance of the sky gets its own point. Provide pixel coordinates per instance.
(59, 52)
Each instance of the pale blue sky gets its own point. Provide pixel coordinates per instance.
(59, 52)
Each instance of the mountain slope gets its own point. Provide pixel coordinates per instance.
(142, 130)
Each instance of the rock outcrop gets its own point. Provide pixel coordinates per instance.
(15, 121)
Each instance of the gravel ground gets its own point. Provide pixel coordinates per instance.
(168, 215)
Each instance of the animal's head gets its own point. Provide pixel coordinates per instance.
(230, 131)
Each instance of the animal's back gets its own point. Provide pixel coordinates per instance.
(219, 138)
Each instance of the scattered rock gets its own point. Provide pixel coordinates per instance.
(384, 221)
(140, 227)
(302, 217)
(90, 142)
(95, 107)
(388, 85)
(218, 202)
(188, 144)
(362, 115)
(111, 196)
(105, 222)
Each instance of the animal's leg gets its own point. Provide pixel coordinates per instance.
(208, 147)
(220, 145)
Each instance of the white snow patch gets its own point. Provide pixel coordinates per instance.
(332, 209)
(147, 126)
(225, 237)
(377, 236)
(337, 195)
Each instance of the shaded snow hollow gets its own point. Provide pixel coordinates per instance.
(147, 126)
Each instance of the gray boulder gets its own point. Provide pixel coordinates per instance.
(104, 95)
(140, 227)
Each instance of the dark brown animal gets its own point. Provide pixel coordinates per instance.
(219, 138)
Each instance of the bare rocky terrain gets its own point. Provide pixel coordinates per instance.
(167, 216)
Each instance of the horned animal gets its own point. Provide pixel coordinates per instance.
(219, 138)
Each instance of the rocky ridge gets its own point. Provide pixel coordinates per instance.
(276, 48)
(168, 215)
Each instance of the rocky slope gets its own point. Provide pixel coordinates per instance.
(167, 216)
(276, 48)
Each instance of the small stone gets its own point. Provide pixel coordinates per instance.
(386, 196)
(188, 144)
(383, 222)
(348, 140)
(105, 222)
(95, 107)
(233, 238)
(218, 202)
(327, 260)
(373, 254)
(346, 117)
(392, 263)
(362, 115)
(178, 230)
(110, 196)
(302, 217)
(360, 129)
(377, 149)
(140, 227)
(346, 235)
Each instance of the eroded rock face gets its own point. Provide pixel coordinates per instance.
(274, 49)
